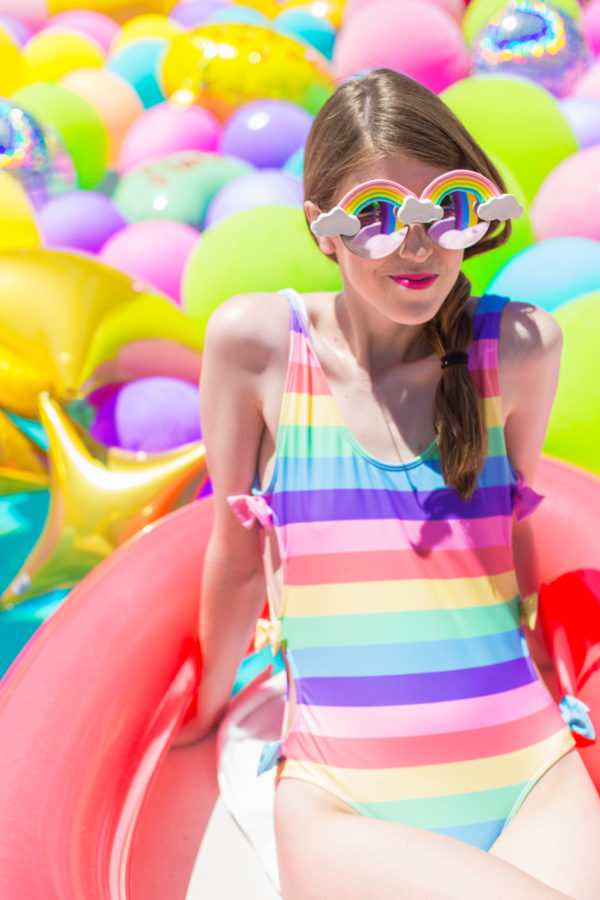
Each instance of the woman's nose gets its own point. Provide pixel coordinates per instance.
(417, 244)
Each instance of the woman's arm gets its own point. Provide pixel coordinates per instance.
(530, 350)
(235, 362)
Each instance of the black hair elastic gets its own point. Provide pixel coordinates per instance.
(455, 358)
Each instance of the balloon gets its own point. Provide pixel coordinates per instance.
(266, 132)
(590, 25)
(120, 10)
(93, 24)
(77, 123)
(265, 187)
(300, 23)
(114, 99)
(534, 40)
(145, 26)
(178, 187)
(16, 29)
(139, 62)
(99, 499)
(495, 109)
(237, 14)
(80, 220)
(574, 427)
(190, 13)
(52, 52)
(150, 414)
(32, 12)
(583, 116)
(573, 178)
(155, 250)
(482, 268)
(479, 12)
(223, 66)
(589, 84)
(416, 38)
(550, 273)
(22, 466)
(272, 249)
(166, 129)
(56, 341)
(456, 8)
(295, 164)
(14, 71)
(17, 222)
(332, 10)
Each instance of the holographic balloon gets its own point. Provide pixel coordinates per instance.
(33, 155)
(535, 40)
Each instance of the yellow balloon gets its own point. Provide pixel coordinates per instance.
(57, 302)
(100, 498)
(149, 25)
(17, 221)
(53, 52)
(119, 10)
(14, 71)
(22, 465)
(226, 65)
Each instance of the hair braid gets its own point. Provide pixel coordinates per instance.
(457, 414)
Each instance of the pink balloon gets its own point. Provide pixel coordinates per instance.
(168, 128)
(456, 8)
(574, 178)
(93, 24)
(155, 250)
(590, 25)
(413, 37)
(589, 84)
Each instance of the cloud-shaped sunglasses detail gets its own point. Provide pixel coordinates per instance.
(373, 218)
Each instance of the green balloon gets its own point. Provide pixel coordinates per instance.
(263, 249)
(516, 119)
(574, 428)
(479, 13)
(76, 121)
(480, 270)
(178, 187)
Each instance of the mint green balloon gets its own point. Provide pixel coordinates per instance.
(479, 13)
(518, 120)
(574, 428)
(263, 249)
(178, 187)
(481, 269)
(77, 123)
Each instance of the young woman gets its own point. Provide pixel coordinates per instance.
(376, 444)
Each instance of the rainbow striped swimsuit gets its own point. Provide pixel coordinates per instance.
(416, 700)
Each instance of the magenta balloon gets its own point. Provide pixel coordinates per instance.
(265, 132)
(154, 414)
(193, 12)
(263, 187)
(79, 220)
(103, 427)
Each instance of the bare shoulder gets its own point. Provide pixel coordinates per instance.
(529, 337)
(248, 330)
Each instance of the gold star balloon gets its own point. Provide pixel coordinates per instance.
(100, 497)
(22, 464)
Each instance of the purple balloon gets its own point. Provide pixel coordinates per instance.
(79, 220)
(103, 428)
(583, 116)
(193, 12)
(265, 132)
(158, 413)
(263, 187)
(19, 30)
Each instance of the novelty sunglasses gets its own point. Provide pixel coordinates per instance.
(456, 209)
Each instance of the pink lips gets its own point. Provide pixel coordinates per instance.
(415, 282)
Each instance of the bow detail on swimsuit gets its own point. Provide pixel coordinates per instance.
(267, 632)
(270, 756)
(575, 714)
(525, 499)
(250, 509)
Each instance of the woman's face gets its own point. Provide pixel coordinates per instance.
(384, 283)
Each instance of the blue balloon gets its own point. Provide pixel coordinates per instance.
(238, 15)
(295, 164)
(314, 30)
(550, 273)
(138, 62)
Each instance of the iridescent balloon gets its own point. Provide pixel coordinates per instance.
(535, 40)
(35, 156)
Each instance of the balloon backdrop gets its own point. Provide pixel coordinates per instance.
(94, 24)
(265, 132)
(52, 52)
(264, 187)
(583, 116)
(575, 178)
(271, 248)
(301, 23)
(80, 220)
(479, 12)
(147, 25)
(13, 67)
(590, 25)
(22, 465)
(139, 62)
(17, 223)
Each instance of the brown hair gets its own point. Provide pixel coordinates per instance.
(385, 113)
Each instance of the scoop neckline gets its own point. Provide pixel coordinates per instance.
(345, 430)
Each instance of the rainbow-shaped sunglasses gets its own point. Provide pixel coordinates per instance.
(373, 218)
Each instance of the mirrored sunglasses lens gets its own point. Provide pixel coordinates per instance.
(449, 237)
(380, 232)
